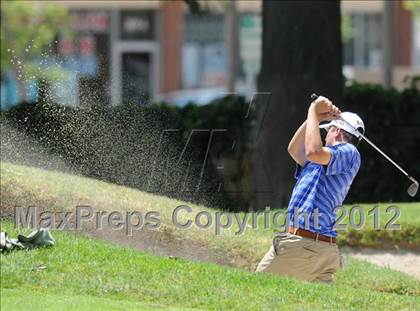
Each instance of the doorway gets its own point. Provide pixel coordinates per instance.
(134, 73)
(136, 77)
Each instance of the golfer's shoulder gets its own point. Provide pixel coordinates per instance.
(344, 148)
(352, 155)
(347, 152)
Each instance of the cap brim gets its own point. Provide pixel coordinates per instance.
(323, 126)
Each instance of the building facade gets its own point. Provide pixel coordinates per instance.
(134, 48)
(135, 51)
(364, 45)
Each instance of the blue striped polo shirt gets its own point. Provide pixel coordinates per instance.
(323, 187)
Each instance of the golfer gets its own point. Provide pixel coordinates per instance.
(308, 250)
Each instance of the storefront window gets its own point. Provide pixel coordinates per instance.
(204, 57)
(364, 46)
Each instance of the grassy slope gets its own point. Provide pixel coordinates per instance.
(26, 186)
(102, 273)
(133, 275)
(26, 299)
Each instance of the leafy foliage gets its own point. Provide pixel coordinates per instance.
(392, 121)
(28, 27)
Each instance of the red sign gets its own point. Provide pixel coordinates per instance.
(87, 45)
(90, 21)
(66, 47)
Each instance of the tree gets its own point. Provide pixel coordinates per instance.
(301, 54)
(413, 6)
(27, 27)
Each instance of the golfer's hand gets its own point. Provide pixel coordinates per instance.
(324, 109)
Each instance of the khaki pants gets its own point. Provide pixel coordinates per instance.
(302, 258)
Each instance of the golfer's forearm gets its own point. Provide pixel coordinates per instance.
(313, 141)
(296, 146)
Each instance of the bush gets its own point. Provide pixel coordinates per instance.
(406, 238)
(392, 121)
(152, 148)
(158, 148)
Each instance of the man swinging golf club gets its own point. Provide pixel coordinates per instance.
(324, 174)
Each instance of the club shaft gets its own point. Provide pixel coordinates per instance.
(385, 156)
(379, 150)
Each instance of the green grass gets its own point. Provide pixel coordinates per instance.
(54, 191)
(84, 267)
(26, 299)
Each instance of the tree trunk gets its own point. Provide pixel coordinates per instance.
(301, 54)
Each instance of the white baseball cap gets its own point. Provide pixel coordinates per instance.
(350, 122)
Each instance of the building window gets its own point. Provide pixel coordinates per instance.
(416, 41)
(363, 47)
(203, 51)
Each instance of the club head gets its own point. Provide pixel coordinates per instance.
(412, 190)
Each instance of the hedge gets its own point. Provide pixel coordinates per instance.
(392, 122)
(155, 148)
(138, 146)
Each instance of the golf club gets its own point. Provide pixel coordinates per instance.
(412, 190)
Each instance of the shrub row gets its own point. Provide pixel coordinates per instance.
(205, 153)
(406, 238)
(392, 121)
(154, 148)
